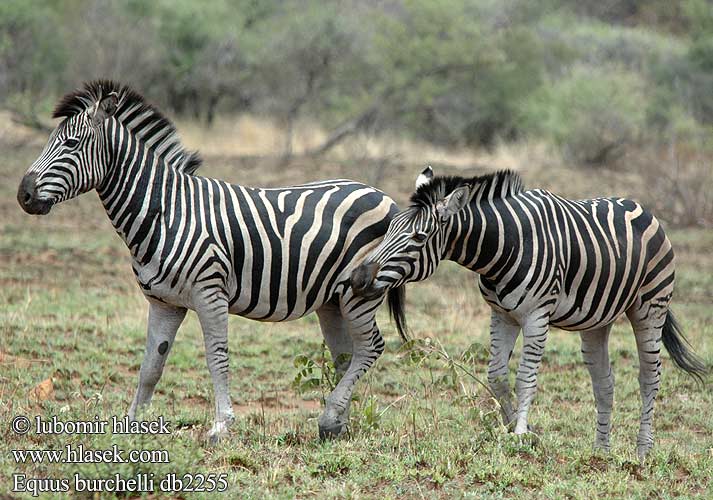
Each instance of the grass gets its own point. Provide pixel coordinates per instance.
(420, 427)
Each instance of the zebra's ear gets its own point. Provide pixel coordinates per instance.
(424, 177)
(104, 108)
(454, 202)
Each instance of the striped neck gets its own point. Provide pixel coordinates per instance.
(477, 238)
(133, 191)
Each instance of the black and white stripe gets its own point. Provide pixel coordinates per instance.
(543, 260)
(216, 248)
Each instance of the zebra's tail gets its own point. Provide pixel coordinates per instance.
(396, 298)
(678, 347)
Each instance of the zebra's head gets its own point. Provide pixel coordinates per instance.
(413, 245)
(75, 158)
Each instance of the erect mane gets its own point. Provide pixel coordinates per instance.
(137, 115)
(500, 184)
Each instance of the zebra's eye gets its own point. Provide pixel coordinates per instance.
(419, 237)
(71, 143)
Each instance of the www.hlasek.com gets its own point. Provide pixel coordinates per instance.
(80, 454)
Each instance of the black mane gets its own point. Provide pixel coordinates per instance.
(500, 184)
(132, 105)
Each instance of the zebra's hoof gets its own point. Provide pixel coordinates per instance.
(327, 432)
(331, 426)
(214, 439)
(642, 452)
(600, 447)
(333, 422)
(529, 439)
(219, 431)
(530, 429)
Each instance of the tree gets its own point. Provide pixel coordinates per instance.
(310, 51)
(28, 56)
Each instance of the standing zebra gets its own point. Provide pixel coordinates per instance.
(216, 248)
(543, 260)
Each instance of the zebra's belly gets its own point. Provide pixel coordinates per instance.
(263, 312)
(285, 302)
(567, 311)
(264, 303)
(589, 312)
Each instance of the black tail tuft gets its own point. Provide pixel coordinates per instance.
(397, 302)
(682, 356)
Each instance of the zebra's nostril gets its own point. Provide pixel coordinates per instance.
(363, 277)
(360, 278)
(26, 190)
(27, 196)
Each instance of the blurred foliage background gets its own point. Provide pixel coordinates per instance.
(608, 84)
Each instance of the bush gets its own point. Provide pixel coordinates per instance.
(593, 115)
(677, 165)
(27, 54)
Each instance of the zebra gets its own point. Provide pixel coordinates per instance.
(543, 260)
(215, 248)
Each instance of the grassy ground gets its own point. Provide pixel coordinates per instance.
(421, 426)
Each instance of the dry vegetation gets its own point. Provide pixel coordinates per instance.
(422, 427)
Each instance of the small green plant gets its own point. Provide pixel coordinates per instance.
(316, 370)
(371, 413)
(419, 350)
(309, 375)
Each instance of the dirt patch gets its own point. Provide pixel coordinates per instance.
(597, 464)
(276, 402)
(19, 362)
(634, 469)
(196, 401)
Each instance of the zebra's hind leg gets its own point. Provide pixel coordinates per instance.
(648, 322)
(213, 317)
(595, 352)
(367, 347)
(503, 334)
(533, 345)
(163, 324)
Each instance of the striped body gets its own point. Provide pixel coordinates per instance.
(542, 261)
(277, 254)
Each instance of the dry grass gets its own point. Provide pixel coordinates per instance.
(250, 135)
(247, 143)
(71, 312)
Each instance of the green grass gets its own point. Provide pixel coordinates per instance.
(70, 311)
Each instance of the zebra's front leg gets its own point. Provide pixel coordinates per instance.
(595, 352)
(214, 322)
(163, 324)
(503, 334)
(367, 347)
(533, 345)
(336, 335)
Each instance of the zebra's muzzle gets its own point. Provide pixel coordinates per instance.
(362, 280)
(28, 199)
